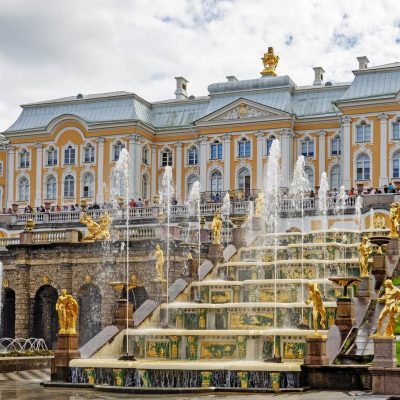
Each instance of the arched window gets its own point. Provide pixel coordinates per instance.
(52, 156)
(23, 189)
(244, 146)
(363, 167)
(270, 140)
(363, 132)
(216, 182)
(69, 187)
(216, 150)
(193, 156)
(88, 185)
(69, 155)
(396, 130)
(244, 179)
(310, 176)
(190, 182)
(51, 188)
(88, 153)
(24, 159)
(335, 146)
(396, 165)
(117, 148)
(335, 178)
(145, 155)
(307, 147)
(166, 158)
(145, 187)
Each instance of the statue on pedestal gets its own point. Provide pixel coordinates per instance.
(159, 255)
(216, 227)
(318, 306)
(391, 308)
(394, 220)
(364, 250)
(259, 204)
(67, 309)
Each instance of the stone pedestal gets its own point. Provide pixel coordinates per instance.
(238, 238)
(66, 350)
(344, 316)
(316, 351)
(378, 270)
(122, 313)
(257, 224)
(215, 253)
(384, 352)
(363, 289)
(26, 237)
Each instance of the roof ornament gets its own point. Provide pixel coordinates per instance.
(270, 61)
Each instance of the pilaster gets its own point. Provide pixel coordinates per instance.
(321, 152)
(10, 175)
(100, 170)
(203, 163)
(259, 161)
(346, 147)
(38, 189)
(178, 183)
(227, 162)
(383, 170)
(134, 167)
(287, 155)
(153, 171)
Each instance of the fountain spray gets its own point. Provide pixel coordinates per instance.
(323, 211)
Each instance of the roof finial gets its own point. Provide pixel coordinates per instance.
(270, 61)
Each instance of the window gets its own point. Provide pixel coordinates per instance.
(1, 168)
(309, 172)
(307, 147)
(51, 188)
(166, 159)
(145, 187)
(396, 130)
(24, 159)
(69, 155)
(335, 181)
(363, 167)
(363, 132)
(216, 182)
(216, 150)
(23, 189)
(192, 156)
(244, 179)
(396, 164)
(244, 147)
(145, 155)
(52, 156)
(270, 140)
(335, 146)
(117, 148)
(190, 182)
(69, 187)
(88, 185)
(88, 154)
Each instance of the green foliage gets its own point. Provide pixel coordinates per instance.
(29, 353)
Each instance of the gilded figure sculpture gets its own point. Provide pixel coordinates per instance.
(104, 222)
(159, 255)
(394, 220)
(364, 251)
(270, 61)
(216, 227)
(318, 306)
(259, 204)
(67, 309)
(97, 231)
(30, 225)
(391, 299)
(379, 222)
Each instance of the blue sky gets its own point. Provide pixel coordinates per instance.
(51, 49)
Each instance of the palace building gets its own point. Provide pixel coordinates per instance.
(62, 151)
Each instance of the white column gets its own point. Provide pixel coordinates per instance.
(203, 163)
(259, 161)
(153, 171)
(38, 189)
(227, 162)
(100, 171)
(321, 154)
(287, 156)
(138, 167)
(134, 167)
(178, 183)
(383, 170)
(10, 176)
(347, 165)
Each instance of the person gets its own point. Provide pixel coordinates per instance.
(312, 194)
(385, 188)
(96, 206)
(139, 203)
(391, 188)
(72, 207)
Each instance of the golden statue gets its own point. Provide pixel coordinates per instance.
(270, 61)
(216, 227)
(318, 306)
(97, 231)
(259, 204)
(30, 224)
(394, 220)
(391, 308)
(364, 250)
(379, 222)
(159, 255)
(67, 309)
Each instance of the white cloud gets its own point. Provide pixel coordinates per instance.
(53, 49)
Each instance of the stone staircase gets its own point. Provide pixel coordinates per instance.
(34, 375)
